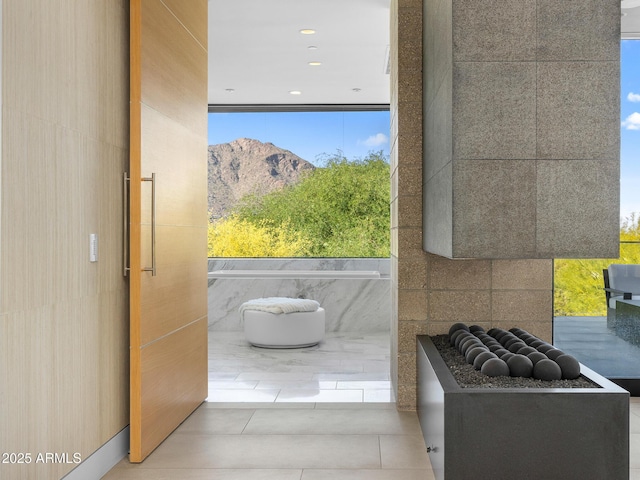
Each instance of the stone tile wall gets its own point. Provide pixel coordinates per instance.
(431, 292)
(521, 128)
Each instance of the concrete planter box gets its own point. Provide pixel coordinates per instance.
(521, 433)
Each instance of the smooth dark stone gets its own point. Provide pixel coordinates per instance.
(569, 365)
(515, 346)
(495, 367)
(458, 326)
(554, 353)
(483, 357)
(520, 366)
(536, 356)
(547, 370)
(472, 353)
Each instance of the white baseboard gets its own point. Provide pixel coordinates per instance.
(102, 460)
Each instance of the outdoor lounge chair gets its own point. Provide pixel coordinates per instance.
(621, 282)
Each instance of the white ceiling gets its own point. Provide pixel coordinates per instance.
(630, 21)
(256, 49)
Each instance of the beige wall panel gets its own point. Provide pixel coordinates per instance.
(62, 370)
(178, 157)
(167, 50)
(171, 386)
(177, 295)
(63, 323)
(190, 15)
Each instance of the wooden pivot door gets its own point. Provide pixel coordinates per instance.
(167, 217)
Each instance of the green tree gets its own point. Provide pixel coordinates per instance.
(342, 209)
(578, 284)
(234, 237)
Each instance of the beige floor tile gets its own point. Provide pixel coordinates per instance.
(202, 474)
(634, 449)
(634, 423)
(355, 406)
(279, 385)
(240, 396)
(379, 396)
(216, 421)
(634, 474)
(254, 405)
(266, 451)
(301, 395)
(367, 475)
(323, 422)
(404, 451)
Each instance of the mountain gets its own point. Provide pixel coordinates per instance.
(249, 166)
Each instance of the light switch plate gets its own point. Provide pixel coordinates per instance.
(93, 247)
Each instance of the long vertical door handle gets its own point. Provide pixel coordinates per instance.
(125, 224)
(152, 268)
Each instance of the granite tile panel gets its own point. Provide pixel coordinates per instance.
(522, 274)
(410, 117)
(519, 306)
(437, 46)
(407, 335)
(410, 180)
(438, 213)
(412, 305)
(409, 211)
(446, 274)
(410, 243)
(409, 25)
(410, 85)
(410, 56)
(442, 328)
(494, 110)
(495, 209)
(406, 399)
(578, 110)
(542, 330)
(582, 30)
(578, 209)
(412, 275)
(409, 146)
(494, 30)
(438, 130)
(468, 306)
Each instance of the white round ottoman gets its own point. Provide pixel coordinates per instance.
(284, 330)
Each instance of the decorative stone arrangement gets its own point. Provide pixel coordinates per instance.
(514, 353)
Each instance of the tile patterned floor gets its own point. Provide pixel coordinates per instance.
(303, 441)
(270, 417)
(344, 367)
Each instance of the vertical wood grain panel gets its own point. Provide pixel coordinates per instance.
(63, 320)
(168, 138)
(172, 371)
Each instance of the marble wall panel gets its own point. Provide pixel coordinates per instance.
(351, 305)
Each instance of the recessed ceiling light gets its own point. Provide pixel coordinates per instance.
(356, 89)
(229, 90)
(295, 92)
(315, 64)
(312, 47)
(307, 31)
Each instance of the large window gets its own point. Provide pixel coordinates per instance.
(299, 184)
(578, 284)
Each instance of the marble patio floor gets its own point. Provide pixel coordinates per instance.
(343, 368)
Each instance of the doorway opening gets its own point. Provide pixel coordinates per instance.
(263, 166)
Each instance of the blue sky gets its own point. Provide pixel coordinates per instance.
(312, 134)
(309, 135)
(630, 128)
